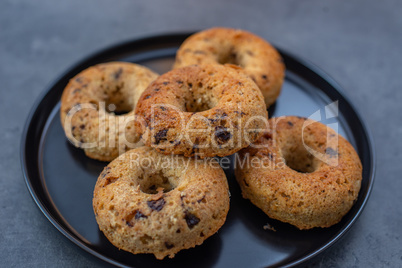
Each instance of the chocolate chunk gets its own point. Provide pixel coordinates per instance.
(240, 83)
(156, 89)
(165, 83)
(136, 214)
(168, 245)
(270, 156)
(212, 120)
(264, 76)
(118, 73)
(82, 126)
(163, 108)
(331, 152)
(161, 136)
(156, 204)
(139, 215)
(179, 82)
(182, 195)
(290, 123)
(222, 135)
(79, 79)
(147, 97)
(202, 199)
(239, 112)
(191, 219)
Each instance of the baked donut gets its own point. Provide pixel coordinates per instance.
(90, 101)
(205, 110)
(300, 172)
(148, 202)
(256, 56)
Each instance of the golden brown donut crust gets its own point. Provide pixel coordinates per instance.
(137, 213)
(257, 57)
(319, 198)
(205, 110)
(88, 104)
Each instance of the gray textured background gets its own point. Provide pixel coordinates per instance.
(357, 42)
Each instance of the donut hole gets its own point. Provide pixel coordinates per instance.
(228, 56)
(202, 99)
(198, 105)
(152, 183)
(299, 159)
(117, 105)
(116, 98)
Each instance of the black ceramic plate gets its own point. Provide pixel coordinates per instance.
(61, 178)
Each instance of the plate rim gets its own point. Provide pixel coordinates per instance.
(182, 35)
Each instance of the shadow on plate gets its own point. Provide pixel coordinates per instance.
(204, 255)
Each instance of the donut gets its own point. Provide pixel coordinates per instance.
(300, 172)
(256, 56)
(148, 202)
(202, 110)
(90, 105)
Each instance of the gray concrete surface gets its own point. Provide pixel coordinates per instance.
(357, 42)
